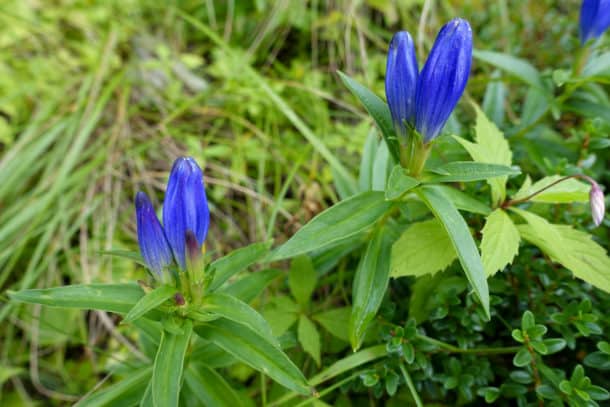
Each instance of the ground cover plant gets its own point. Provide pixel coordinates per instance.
(304, 203)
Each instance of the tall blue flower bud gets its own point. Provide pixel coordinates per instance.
(443, 78)
(185, 207)
(594, 19)
(154, 246)
(401, 80)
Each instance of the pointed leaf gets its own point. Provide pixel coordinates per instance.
(467, 171)
(236, 261)
(341, 221)
(249, 287)
(463, 201)
(252, 349)
(462, 240)
(378, 110)
(516, 67)
(150, 301)
(309, 338)
(127, 391)
(209, 388)
(570, 190)
(169, 363)
(500, 243)
(399, 183)
(238, 311)
(119, 298)
(335, 321)
(302, 279)
(370, 284)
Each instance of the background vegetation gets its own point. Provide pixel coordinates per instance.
(97, 98)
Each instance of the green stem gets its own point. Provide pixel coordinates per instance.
(541, 190)
(478, 351)
(329, 389)
(405, 374)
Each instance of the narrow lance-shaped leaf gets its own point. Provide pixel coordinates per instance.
(462, 240)
(150, 301)
(127, 391)
(209, 388)
(378, 110)
(370, 284)
(231, 264)
(118, 298)
(341, 221)
(468, 171)
(252, 349)
(169, 364)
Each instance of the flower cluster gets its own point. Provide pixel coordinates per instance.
(186, 218)
(422, 101)
(594, 19)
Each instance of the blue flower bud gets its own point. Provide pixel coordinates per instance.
(154, 247)
(443, 78)
(401, 80)
(594, 19)
(185, 207)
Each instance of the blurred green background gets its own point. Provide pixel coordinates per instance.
(97, 98)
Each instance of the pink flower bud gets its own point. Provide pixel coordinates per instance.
(598, 205)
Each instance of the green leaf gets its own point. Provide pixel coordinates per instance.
(6, 372)
(424, 248)
(370, 283)
(249, 287)
(527, 320)
(490, 147)
(462, 240)
(238, 311)
(399, 183)
(516, 67)
(500, 243)
(522, 358)
(209, 388)
(302, 279)
(252, 349)
(335, 321)
(598, 65)
(381, 168)
(378, 110)
(367, 161)
(126, 254)
(309, 338)
(570, 190)
(127, 391)
(464, 202)
(150, 301)
(119, 298)
(169, 363)
(467, 171)
(236, 261)
(574, 249)
(341, 221)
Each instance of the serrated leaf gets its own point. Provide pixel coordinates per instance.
(309, 338)
(500, 242)
(169, 363)
(378, 110)
(462, 240)
(249, 347)
(570, 190)
(467, 171)
(341, 221)
(302, 279)
(370, 284)
(399, 183)
(574, 249)
(236, 261)
(490, 147)
(150, 301)
(335, 321)
(424, 248)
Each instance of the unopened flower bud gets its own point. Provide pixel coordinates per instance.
(598, 205)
